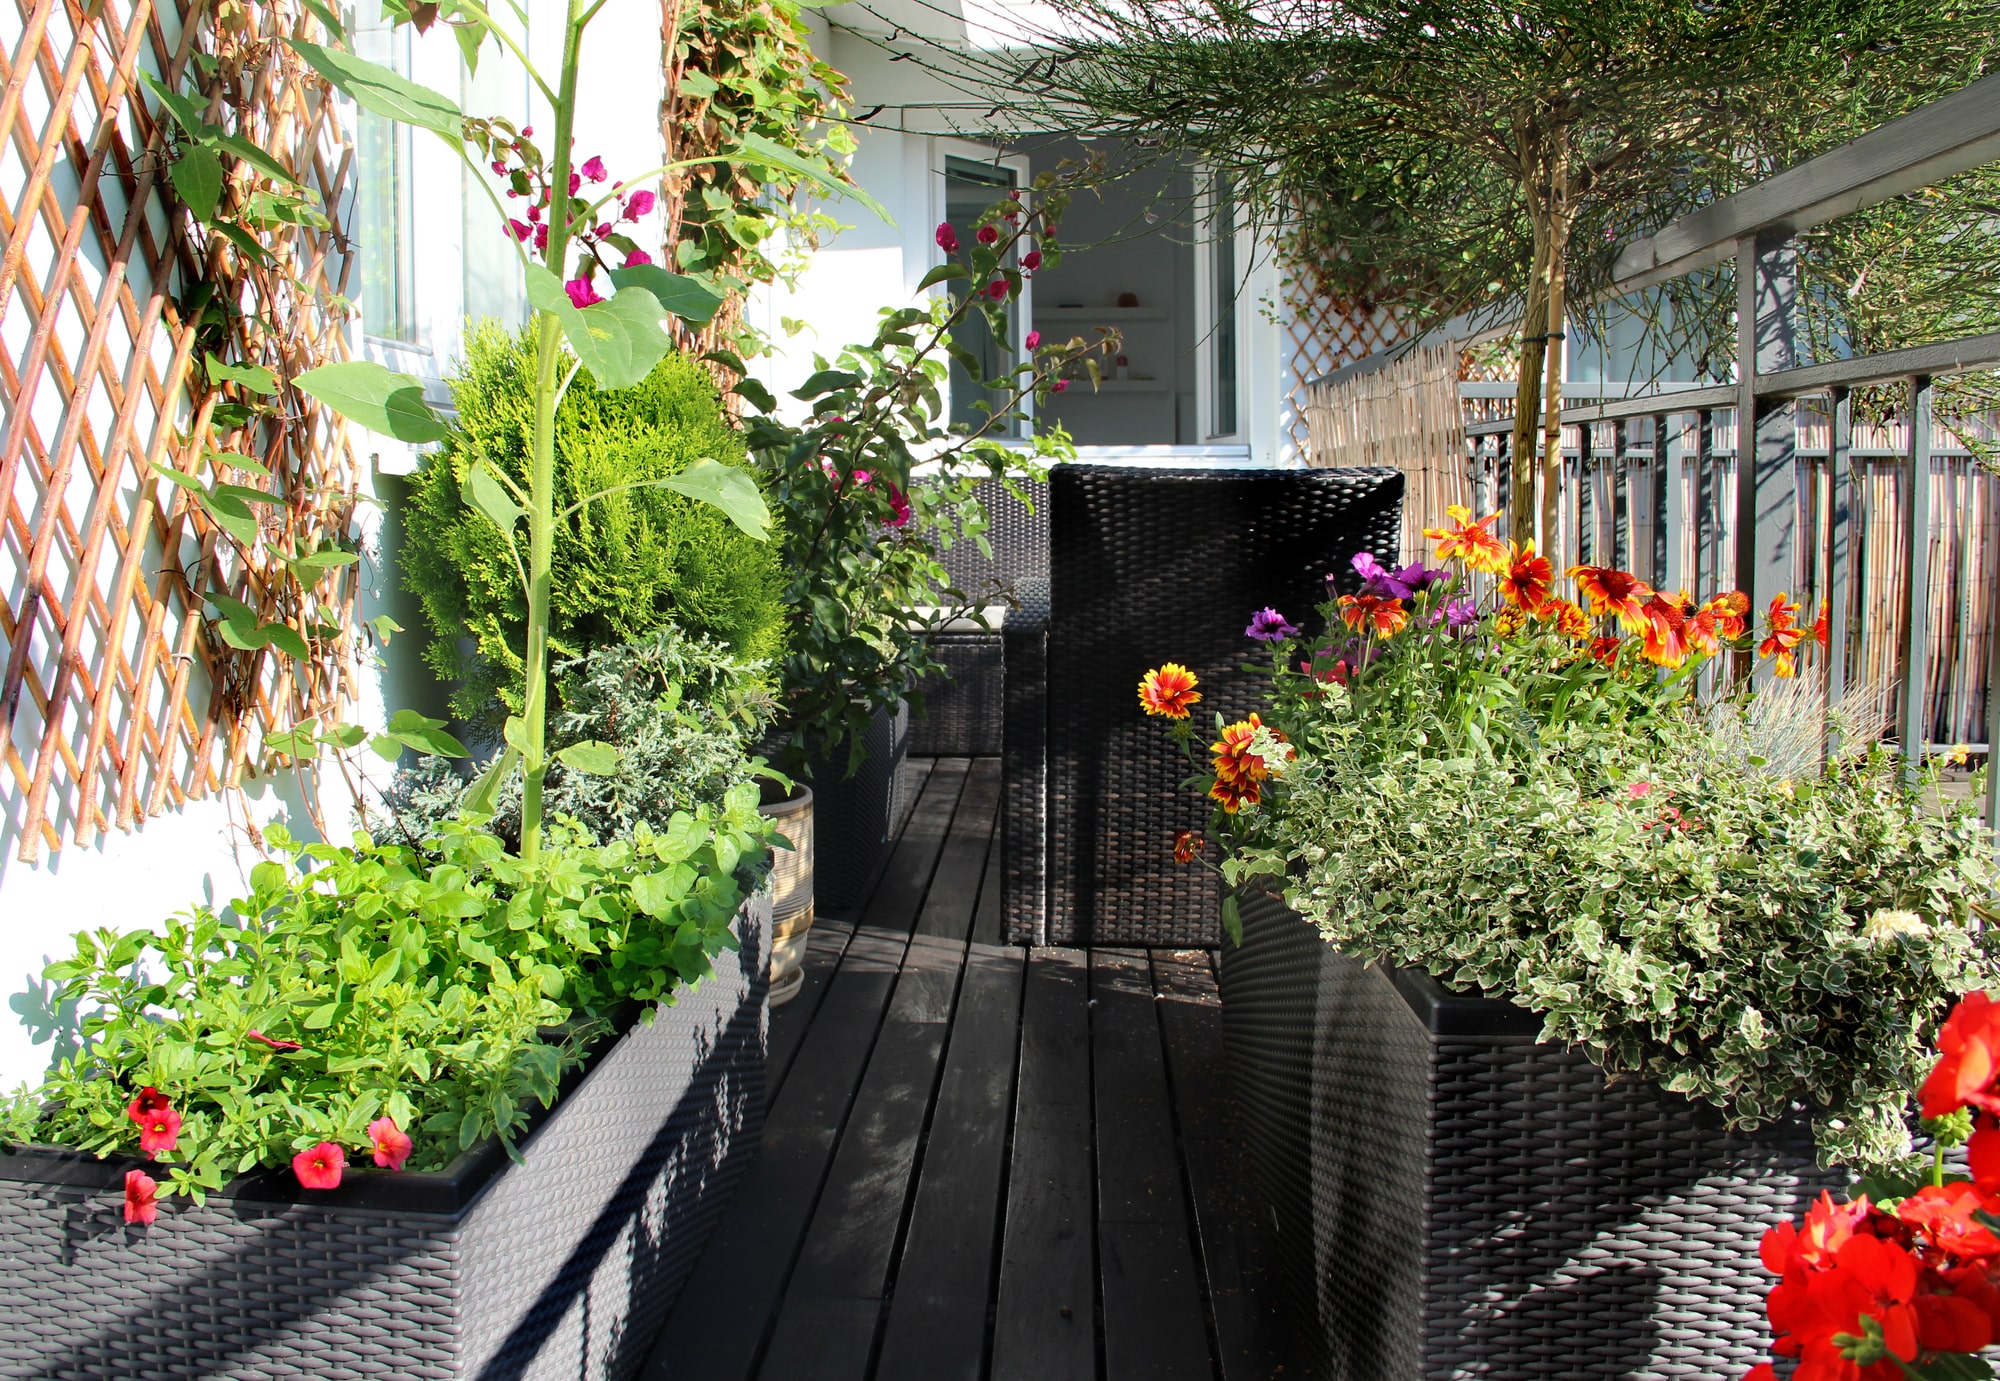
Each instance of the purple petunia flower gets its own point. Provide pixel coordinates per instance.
(1418, 577)
(1269, 626)
(1378, 580)
(1461, 613)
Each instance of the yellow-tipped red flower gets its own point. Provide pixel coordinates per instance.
(1569, 620)
(1730, 613)
(1470, 542)
(1168, 691)
(1385, 617)
(1188, 846)
(1782, 635)
(1239, 772)
(1528, 577)
(1669, 632)
(1613, 592)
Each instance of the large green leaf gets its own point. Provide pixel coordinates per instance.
(729, 489)
(486, 494)
(687, 297)
(254, 377)
(186, 112)
(379, 91)
(377, 397)
(755, 148)
(255, 157)
(424, 734)
(619, 341)
(197, 179)
(592, 757)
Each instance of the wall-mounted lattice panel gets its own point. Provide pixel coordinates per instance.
(118, 699)
(1323, 334)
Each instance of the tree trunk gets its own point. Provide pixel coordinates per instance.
(1527, 401)
(1556, 235)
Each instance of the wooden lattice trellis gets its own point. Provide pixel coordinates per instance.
(119, 700)
(1324, 333)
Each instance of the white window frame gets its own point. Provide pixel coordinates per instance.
(1204, 318)
(1023, 319)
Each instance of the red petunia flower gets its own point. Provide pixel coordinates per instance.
(145, 1102)
(1528, 578)
(392, 1144)
(282, 1047)
(1168, 691)
(159, 1131)
(1968, 1059)
(142, 1199)
(1613, 591)
(320, 1167)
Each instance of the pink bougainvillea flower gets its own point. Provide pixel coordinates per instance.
(1033, 341)
(575, 181)
(1032, 260)
(593, 168)
(947, 238)
(987, 235)
(392, 1143)
(541, 239)
(997, 289)
(320, 1167)
(1059, 386)
(499, 167)
(602, 230)
(142, 1199)
(638, 204)
(901, 506)
(521, 229)
(284, 1047)
(527, 131)
(535, 211)
(636, 258)
(582, 292)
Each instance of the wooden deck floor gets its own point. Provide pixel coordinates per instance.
(985, 1161)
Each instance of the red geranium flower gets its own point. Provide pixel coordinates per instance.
(142, 1200)
(1943, 1214)
(392, 1143)
(1968, 1058)
(320, 1167)
(1824, 1318)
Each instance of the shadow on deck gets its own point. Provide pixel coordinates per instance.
(983, 1160)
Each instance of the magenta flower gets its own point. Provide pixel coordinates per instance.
(499, 167)
(535, 212)
(1032, 260)
(521, 229)
(1378, 581)
(638, 204)
(988, 235)
(527, 131)
(320, 1167)
(947, 238)
(1269, 626)
(1419, 577)
(541, 239)
(636, 258)
(601, 231)
(1461, 613)
(900, 504)
(1059, 386)
(593, 168)
(582, 292)
(575, 181)
(1034, 340)
(997, 289)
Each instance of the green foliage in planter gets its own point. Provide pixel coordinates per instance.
(624, 564)
(446, 988)
(680, 709)
(1668, 902)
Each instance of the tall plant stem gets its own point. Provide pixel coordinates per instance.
(542, 480)
(1527, 401)
(1557, 236)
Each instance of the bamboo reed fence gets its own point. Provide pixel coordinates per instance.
(119, 700)
(1406, 415)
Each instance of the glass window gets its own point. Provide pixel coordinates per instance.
(1222, 339)
(493, 284)
(382, 200)
(969, 188)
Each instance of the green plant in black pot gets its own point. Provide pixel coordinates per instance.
(625, 564)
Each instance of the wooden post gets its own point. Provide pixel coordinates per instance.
(1585, 545)
(1669, 507)
(1912, 722)
(1843, 495)
(1624, 513)
(1766, 437)
(1993, 667)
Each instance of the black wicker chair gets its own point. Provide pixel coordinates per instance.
(1151, 565)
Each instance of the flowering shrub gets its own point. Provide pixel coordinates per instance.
(1524, 795)
(378, 1001)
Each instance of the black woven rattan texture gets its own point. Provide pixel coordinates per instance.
(855, 818)
(563, 1268)
(1024, 767)
(963, 706)
(1466, 1206)
(1018, 536)
(1151, 566)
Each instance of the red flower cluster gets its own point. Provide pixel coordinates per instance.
(159, 1125)
(1240, 773)
(1864, 1290)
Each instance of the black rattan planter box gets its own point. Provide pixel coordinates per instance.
(856, 818)
(563, 1266)
(1454, 1199)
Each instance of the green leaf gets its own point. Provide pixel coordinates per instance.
(186, 112)
(197, 179)
(516, 734)
(729, 489)
(377, 397)
(243, 493)
(592, 757)
(424, 734)
(254, 156)
(173, 476)
(755, 149)
(309, 569)
(683, 295)
(944, 273)
(480, 798)
(382, 626)
(298, 742)
(618, 341)
(246, 243)
(1232, 920)
(328, 20)
(379, 91)
(756, 393)
(825, 381)
(484, 492)
(230, 513)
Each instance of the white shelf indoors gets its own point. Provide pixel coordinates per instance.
(1103, 314)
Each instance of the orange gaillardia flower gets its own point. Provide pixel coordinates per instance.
(1168, 691)
(1240, 773)
(1528, 578)
(1671, 631)
(1510, 621)
(1731, 613)
(1470, 542)
(1188, 846)
(1569, 620)
(1782, 635)
(1385, 617)
(1613, 592)
(1605, 650)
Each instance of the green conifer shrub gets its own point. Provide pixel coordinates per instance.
(623, 565)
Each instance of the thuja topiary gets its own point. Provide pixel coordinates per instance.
(623, 565)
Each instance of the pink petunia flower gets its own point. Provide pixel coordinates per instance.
(593, 168)
(636, 258)
(142, 1199)
(582, 292)
(392, 1143)
(638, 204)
(320, 1167)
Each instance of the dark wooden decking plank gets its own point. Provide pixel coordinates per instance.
(1255, 1338)
(944, 1281)
(719, 1324)
(986, 920)
(1154, 1325)
(851, 1242)
(790, 1022)
(1045, 1319)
